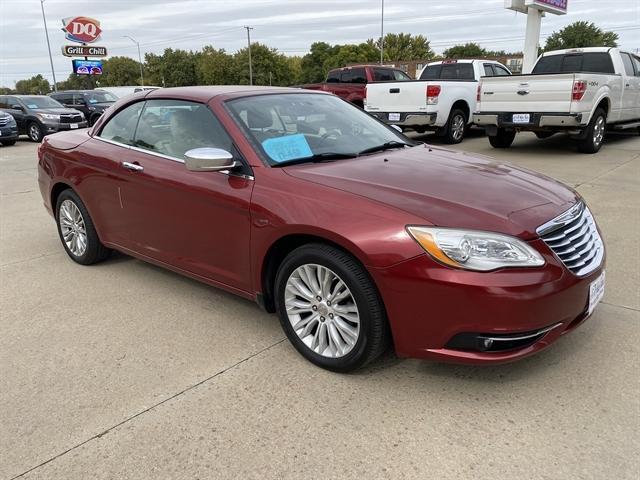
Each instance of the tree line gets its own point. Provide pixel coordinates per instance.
(211, 66)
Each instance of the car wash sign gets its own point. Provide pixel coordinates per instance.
(81, 29)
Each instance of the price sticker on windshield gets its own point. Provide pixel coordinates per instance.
(289, 147)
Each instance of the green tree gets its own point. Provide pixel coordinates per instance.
(405, 47)
(5, 91)
(353, 54)
(214, 67)
(269, 66)
(468, 50)
(579, 35)
(312, 64)
(174, 68)
(119, 71)
(37, 85)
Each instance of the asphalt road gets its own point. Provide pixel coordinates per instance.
(125, 370)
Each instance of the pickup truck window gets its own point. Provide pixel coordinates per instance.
(488, 70)
(457, 71)
(333, 77)
(432, 72)
(355, 75)
(628, 64)
(389, 75)
(597, 62)
(636, 63)
(501, 71)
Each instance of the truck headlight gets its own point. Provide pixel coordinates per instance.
(475, 250)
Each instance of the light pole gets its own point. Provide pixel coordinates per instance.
(139, 58)
(250, 66)
(382, 35)
(46, 31)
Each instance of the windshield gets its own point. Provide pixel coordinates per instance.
(100, 97)
(38, 103)
(293, 127)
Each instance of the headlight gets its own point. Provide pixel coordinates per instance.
(48, 116)
(475, 250)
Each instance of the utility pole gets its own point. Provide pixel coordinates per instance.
(250, 65)
(46, 31)
(382, 35)
(139, 58)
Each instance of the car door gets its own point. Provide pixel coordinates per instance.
(630, 90)
(195, 221)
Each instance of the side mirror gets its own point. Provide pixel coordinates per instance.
(209, 160)
(17, 107)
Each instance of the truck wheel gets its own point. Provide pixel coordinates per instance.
(454, 130)
(503, 139)
(594, 134)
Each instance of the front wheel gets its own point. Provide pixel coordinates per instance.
(77, 232)
(453, 132)
(503, 139)
(35, 133)
(330, 309)
(594, 134)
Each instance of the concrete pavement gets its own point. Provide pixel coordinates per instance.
(125, 370)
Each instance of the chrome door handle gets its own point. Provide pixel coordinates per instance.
(134, 167)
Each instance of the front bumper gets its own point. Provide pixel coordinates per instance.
(537, 121)
(432, 307)
(408, 119)
(9, 132)
(53, 127)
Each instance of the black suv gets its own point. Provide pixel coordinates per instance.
(8, 129)
(92, 103)
(39, 115)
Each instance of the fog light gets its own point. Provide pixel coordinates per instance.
(487, 343)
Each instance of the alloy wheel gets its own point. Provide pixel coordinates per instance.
(322, 310)
(34, 132)
(598, 131)
(457, 127)
(73, 228)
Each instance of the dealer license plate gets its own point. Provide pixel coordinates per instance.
(521, 118)
(73, 125)
(596, 292)
(394, 117)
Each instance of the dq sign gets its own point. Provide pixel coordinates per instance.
(81, 29)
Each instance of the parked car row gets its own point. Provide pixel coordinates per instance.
(581, 92)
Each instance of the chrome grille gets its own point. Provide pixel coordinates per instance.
(574, 238)
(4, 121)
(70, 118)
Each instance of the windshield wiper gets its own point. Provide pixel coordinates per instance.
(317, 158)
(385, 146)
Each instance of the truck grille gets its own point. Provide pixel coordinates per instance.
(574, 238)
(70, 118)
(4, 121)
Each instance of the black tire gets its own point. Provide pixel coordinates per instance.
(93, 119)
(456, 127)
(503, 139)
(8, 143)
(543, 135)
(374, 335)
(94, 252)
(593, 136)
(35, 132)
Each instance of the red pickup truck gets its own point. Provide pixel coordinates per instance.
(350, 82)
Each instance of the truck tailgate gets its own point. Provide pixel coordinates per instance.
(527, 93)
(397, 96)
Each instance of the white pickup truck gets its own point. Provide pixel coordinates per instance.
(580, 91)
(442, 99)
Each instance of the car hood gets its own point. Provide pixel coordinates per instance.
(57, 111)
(448, 189)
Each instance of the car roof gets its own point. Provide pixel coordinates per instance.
(206, 93)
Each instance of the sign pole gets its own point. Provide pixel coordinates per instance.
(46, 31)
(532, 39)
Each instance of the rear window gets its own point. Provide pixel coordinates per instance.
(597, 62)
(333, 77)
(451, 71)
(355, 75)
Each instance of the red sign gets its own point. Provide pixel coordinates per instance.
(81, 29)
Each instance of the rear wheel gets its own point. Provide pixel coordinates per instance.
(453, 132)
(503, 139)
(76, 230)
(330, 309)
(594, 134)
(34, 131)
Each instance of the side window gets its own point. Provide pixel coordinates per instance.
(628, 64)
(432, 72)
(400, 76)
(636, 63)
(121, 127)
(383, 75)
(488, 70)
(78, 99)
(501, 71)
(333, 77)
(597, 62)
(173, 127)
(3, 102)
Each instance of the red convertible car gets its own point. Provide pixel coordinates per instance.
(355, 235)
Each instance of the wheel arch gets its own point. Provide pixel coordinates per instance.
(464, 106)
(56, 190)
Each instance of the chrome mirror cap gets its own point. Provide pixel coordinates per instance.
(209, 160)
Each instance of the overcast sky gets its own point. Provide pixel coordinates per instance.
(291, 26)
